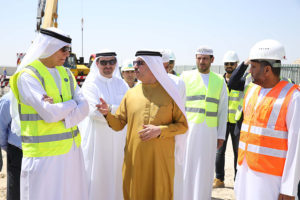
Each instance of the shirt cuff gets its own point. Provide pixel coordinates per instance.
(164, 130)
(108, 116)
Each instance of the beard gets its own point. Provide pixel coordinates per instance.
(229, 70)
(203, 68)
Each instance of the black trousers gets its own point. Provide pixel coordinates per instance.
(220, 157)
(14, 161)
(299, 190)
(1, 161)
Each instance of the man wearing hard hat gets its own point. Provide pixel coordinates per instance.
(269, 145)
(230, 63)
(128, 73)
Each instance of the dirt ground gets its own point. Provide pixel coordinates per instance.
(227, 192)
(221, 193)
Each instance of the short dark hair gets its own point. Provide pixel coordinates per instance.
(275, 70)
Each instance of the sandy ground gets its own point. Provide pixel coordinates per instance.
(220, 193)
(227, 192)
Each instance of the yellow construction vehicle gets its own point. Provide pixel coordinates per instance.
(47, 17)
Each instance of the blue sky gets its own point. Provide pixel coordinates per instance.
(129, 25)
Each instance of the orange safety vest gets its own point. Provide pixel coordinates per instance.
(264, 134)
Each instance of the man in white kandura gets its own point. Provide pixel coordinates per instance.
(206, 106)
(46, 108)
(103, 148)
(269, 147)
(180, 85)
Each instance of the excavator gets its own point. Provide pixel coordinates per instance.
(47, 17)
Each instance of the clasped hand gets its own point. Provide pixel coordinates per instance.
(149, 131)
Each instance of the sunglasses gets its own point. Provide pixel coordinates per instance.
(171, 62)
(138, 63)
(108, 62)
(65, 49)
(230, 63)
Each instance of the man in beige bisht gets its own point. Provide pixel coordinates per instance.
(154, 114)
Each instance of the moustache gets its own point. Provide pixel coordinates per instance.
(105, 68)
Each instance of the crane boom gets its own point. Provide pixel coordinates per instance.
(47, 11)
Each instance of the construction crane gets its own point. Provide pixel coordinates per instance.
(47, 17)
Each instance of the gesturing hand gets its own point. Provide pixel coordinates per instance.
(149, 131)
(48, 99)
(103, 107)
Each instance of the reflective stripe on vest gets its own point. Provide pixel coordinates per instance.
(264, 131)
(248, 83)
(263, 150)
(49, 138)
(201, 110)
(263, 139)
(37, 74)
(28, 117)
(71, 82)
(202, 103)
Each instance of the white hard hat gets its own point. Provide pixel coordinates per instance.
(171, 55)
(267, 50)
(230, 56)
(165, 56)
(127, 65)
(205, 50)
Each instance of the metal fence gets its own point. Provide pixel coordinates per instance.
(291, 71)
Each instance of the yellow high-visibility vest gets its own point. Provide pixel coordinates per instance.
(39, 138)
(201, 103)
(239, 111)
(234, 99)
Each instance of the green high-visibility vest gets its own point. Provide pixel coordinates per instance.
(202, 103)
(234, 99)
(39, 138)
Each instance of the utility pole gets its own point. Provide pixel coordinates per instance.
(82, 36)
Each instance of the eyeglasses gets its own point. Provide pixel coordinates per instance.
(65, 49)
(108, 62)
(138, 63)
(229, 63)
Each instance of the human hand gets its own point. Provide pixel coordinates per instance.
(247, 61)
(285, 197)
(149, 131)
(220, 143)
(103, 107)
(48, 99)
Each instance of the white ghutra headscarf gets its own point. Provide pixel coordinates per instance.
(155, 63)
